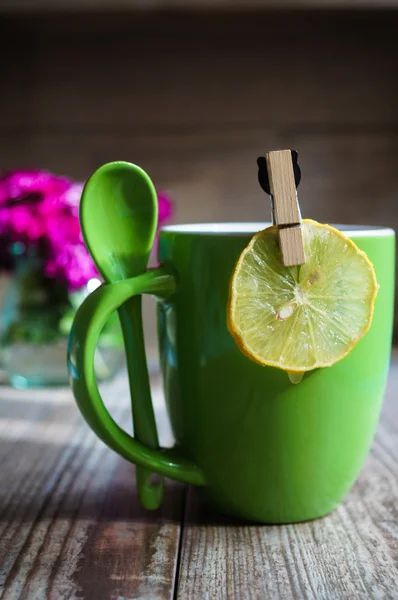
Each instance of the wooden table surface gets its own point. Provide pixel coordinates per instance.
(71, 525)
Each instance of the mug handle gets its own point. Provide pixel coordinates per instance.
(89, 320)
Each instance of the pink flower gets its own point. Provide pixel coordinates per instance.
(17, 184)
(41, 209)
(165, 208)
(68, 258)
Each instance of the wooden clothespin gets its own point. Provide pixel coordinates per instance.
(280, 180)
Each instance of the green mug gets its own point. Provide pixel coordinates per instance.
(255, 445)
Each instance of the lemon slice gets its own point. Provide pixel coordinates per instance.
(301, 318)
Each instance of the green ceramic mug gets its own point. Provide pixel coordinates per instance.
(255, 445)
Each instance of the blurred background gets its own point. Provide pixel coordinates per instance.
(194, 91)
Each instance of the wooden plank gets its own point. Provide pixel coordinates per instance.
(213, 176)
(352, 553)
(30, 6)
(70, 523)
(166, 79)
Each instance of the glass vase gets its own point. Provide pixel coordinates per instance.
(35, 321)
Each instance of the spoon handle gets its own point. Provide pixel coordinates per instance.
(130, 314)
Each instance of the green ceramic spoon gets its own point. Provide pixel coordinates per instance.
(118, 216)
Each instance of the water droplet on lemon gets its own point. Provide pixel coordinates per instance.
(295, 377)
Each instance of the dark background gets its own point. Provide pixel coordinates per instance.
(194, 94)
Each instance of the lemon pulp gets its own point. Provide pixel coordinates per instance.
(305, 317)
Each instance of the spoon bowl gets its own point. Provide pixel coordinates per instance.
(118, 216)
